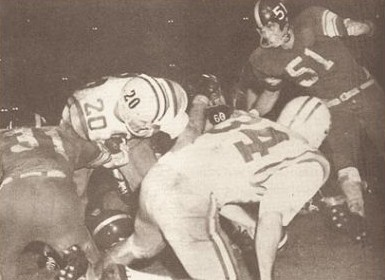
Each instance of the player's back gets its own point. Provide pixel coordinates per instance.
(27, 150)
(238, 150)
(90, 110)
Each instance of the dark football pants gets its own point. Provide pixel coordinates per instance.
(44, 209)
(364, 113)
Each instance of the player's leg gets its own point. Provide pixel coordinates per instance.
(288, 191)
(9, 265)
(17, 221)
(189, 222)
(147, 239)
(81, 178)
(61, 223)
(13, 239)
(344, 139)
(373, 103)
(146, 242)
(239, 218)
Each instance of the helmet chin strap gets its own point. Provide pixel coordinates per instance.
(144, 131)
(289, 39)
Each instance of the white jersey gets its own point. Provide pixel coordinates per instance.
(240, 152)
(90, 111)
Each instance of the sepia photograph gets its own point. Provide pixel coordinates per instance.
(192, 139)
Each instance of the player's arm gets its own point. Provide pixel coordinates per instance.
(72, 115)
(357, 28)
(244, 91)
(261, 91)
(266, 101)
(333, 25)
(196, 124)
(92, 154)
(267, 98)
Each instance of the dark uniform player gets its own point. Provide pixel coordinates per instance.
(38, 200)
(308, 52)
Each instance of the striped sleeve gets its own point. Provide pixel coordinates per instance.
(332, 25)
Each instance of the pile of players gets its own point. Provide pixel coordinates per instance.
(184, 158)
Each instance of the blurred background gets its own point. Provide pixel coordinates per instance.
(48, 48)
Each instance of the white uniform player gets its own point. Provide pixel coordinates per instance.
(244, 159)
(107, 108)
(133, 107)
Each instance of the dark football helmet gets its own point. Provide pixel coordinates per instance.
(271, 17)
(109, 227)
(205, 84)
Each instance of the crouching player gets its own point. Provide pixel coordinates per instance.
(243, 159)
(38, 200)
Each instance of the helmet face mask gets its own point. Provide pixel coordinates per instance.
(216, 99)
(272, 36)
(140, 128)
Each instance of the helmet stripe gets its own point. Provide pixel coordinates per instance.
(257, 16)
(313, 110)
(174, 98)
(300, 110)
(82, 118)
(165, 97)
(108, 221)
(220, 245)
(143, 77)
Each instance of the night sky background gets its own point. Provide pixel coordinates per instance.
(48, 48)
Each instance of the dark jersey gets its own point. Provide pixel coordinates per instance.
(26, 150)
(318, 61)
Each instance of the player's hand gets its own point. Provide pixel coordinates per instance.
(238, 97)
(118, 149)
(357, 28)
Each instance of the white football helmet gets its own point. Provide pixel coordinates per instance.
(309, 117)
(149, 104)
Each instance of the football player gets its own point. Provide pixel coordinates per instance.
(243, 159)
(307, 50)
(133, 107)
(38, 200)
